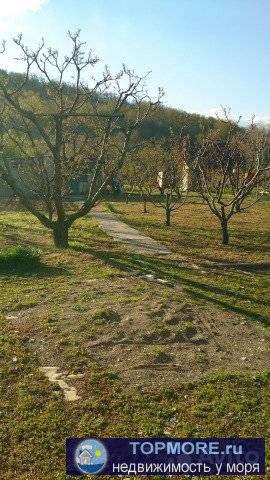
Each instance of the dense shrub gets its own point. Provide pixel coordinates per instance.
(19, 258)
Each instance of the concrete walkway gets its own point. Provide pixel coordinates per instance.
(130, 237)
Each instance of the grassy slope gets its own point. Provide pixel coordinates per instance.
(195, 235)
(36, 420)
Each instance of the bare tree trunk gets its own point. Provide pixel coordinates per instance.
(60, 234)
(168, 210)
(225, 232)
(145, 204)
(168, 217)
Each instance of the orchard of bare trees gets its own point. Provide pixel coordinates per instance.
(227, 166)
(65, 117)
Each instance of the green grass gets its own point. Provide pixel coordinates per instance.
(240, 285)
(195, 232)
(201, 358)
(19, 258)
(187, 329)
(106, 315)
(158, 355)
(34, 417)
(36, 420)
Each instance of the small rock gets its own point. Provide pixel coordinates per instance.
(14, 359)
(70, 393)
(149, 276)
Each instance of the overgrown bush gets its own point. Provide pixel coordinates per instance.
(19, 258)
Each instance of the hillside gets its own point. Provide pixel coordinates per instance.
(158, 126)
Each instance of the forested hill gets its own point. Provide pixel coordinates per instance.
(157, 126)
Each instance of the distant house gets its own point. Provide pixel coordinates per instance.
(85, 457)
(167, 179)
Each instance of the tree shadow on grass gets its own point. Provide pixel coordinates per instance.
(234, 264)
(246, 241)
(173, 271)
(227, 305)
(243, 266)
(38, 271)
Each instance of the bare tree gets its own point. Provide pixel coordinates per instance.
(173, 178)
(230, 169)
(68, 126)
(142, 169)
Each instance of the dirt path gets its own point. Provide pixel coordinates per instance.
(129, 236)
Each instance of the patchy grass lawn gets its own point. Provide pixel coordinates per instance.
(233, 277)
(145, 358)
(195, 232)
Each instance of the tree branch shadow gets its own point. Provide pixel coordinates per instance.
(41, 271)
(173, 271)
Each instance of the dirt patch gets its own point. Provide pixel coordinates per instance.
(149, 352)
(147, 336)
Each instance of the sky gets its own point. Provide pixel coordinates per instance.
(204, 53)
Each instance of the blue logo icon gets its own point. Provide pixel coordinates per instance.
(91, 456)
